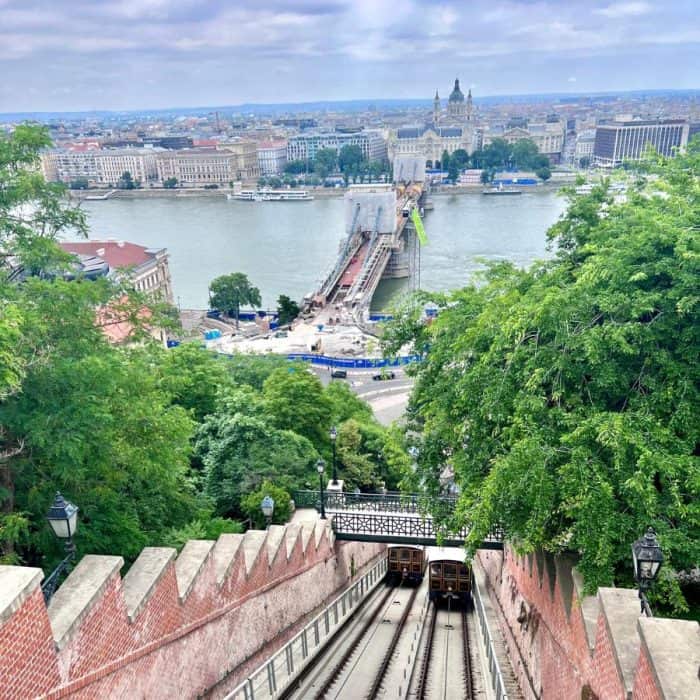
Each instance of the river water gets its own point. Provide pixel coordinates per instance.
(287, 247)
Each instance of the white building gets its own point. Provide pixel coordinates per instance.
(99, 167)
(272, 157)
(305, 146)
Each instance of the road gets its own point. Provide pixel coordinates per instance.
(388, 398)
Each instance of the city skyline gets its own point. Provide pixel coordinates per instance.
(128, 55)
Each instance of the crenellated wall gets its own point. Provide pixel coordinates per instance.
(174, 626)
(564, 645)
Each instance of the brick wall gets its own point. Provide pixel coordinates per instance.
(563, 644)
(172, 627)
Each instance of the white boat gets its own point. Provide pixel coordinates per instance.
(270, 196)
(243, 195)
(284, 196)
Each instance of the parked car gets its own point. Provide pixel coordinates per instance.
(381, 376)
(281, 334)
(339, 374)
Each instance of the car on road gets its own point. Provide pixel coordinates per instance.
(382, 376)
(339, 374)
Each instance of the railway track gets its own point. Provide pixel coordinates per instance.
(360, 663)
(447, 647)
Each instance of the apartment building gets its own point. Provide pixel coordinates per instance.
(305, 146)
(621, 141)
(272, 157)
(229, 162)
(99, 166)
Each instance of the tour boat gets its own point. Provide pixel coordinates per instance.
(501, 190)
(271, 196)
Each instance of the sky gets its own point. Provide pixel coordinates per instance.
(70, 55)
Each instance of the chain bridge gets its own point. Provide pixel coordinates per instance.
(391, 517)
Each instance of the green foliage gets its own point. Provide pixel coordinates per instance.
(239, 452)
(326, 161)
(126, 181)
(543, 173)
(230, 292)
(170, 183)
(204, 528)
(253, 370)
(565, 397)
(295, 400)
(445, 160)
(287, 309)
(350, 158)
(296, 167)
(250, 505)
(460, 158)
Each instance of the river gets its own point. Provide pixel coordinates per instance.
(286, 247)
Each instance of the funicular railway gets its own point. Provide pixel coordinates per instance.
(412, 627)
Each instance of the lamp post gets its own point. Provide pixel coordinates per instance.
(63, 519)
(320, 468)
(268, 508)
(647, 558)
(333, 436)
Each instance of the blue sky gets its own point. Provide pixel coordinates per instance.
(133, 54)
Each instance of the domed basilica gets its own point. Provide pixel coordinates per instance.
(447, 131)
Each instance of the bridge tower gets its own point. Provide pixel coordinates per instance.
(436, 109)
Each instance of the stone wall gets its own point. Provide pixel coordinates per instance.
(174, 626)
(563, 644)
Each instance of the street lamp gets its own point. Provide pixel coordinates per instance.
(268, 508)
(647, 558)
(63, 519)
(320, 468)
(333, 436)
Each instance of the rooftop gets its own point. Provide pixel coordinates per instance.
(117, 254)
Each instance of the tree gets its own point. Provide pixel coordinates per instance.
(445, 161)
(453, 171)
(170, 183)
(566, 397)
(251, 504)
(460, 158)
(126, 181)
(287, 309)
(325, 162)
(349, 159)
(295, 167)
(274, 182)
(80, 183)
(295, 400)
(543, 173)
(229, 292)
(240, 452)
(524, 154)
(584, 162)
(486, 176)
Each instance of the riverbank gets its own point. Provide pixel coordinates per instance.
(316, 192)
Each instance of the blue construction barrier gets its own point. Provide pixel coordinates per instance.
(212, 334)
(355, 363)
(380, 317)
(172, 343)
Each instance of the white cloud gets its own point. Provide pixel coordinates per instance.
(624, 9)
(571, 79)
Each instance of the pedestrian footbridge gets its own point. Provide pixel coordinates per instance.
(391, 517)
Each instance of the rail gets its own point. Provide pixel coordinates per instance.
(273, 677)
(496, 677)
(400, 528)
(392, 502)
(354, 363)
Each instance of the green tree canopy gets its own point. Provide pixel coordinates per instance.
(230, 292)
(251, 504)
(326, 161)
(460, 158)
(565, 397)
(349, 159)
(287, 309)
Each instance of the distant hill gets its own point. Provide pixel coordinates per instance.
(259, 109)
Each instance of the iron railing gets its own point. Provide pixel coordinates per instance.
(495, 674)
(276, 675)
(390, 502)
(388, 527)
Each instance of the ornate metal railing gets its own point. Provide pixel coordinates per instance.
(390, 502)
(388, 527)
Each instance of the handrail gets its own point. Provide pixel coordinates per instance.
(391, 501)
(276, 674)
(494, 667)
